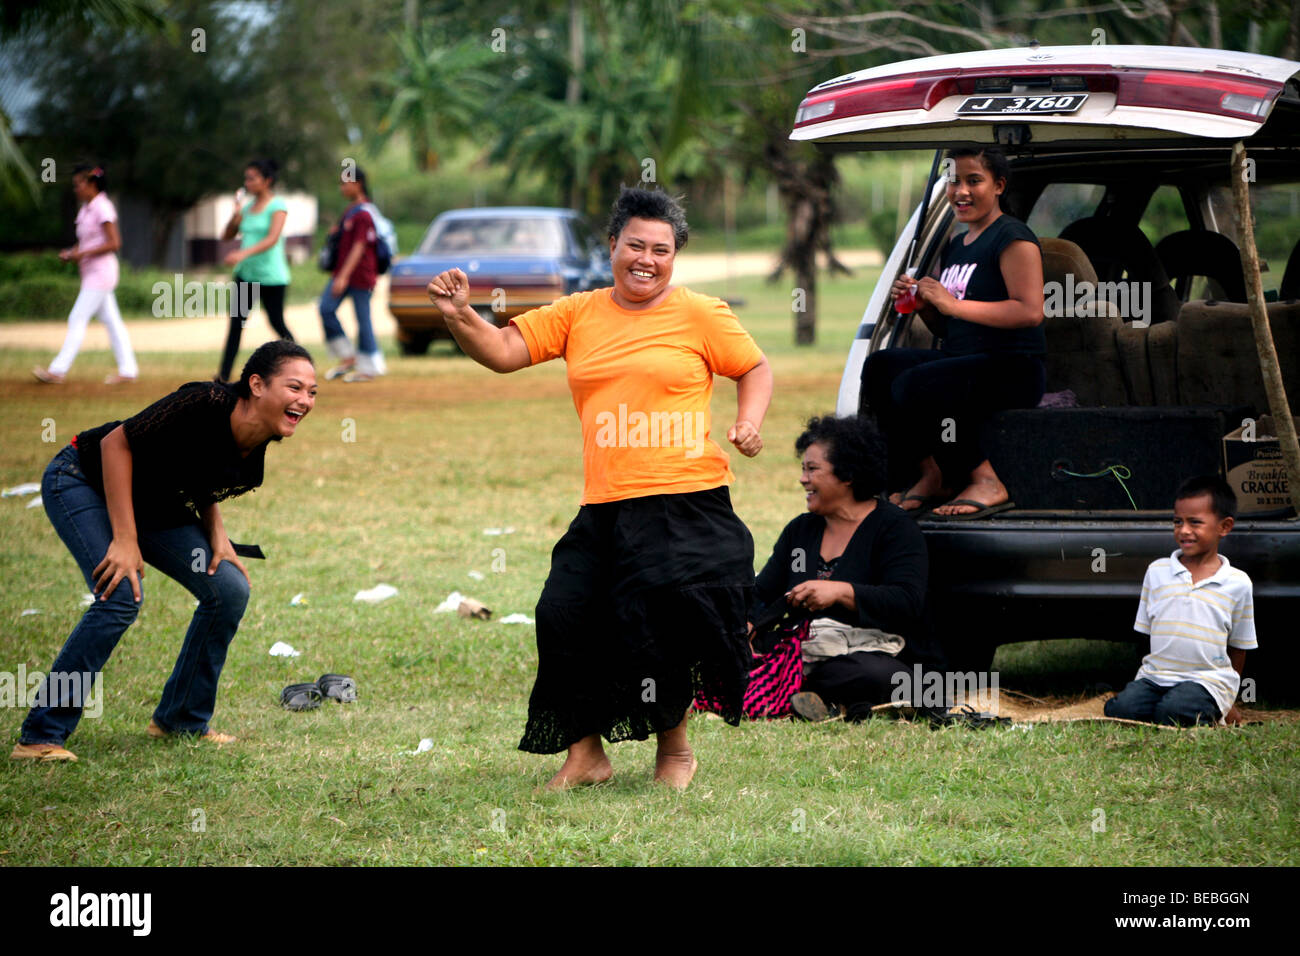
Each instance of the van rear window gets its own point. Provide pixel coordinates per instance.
(1061, 204)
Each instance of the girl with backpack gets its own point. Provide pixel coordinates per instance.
(354, 271)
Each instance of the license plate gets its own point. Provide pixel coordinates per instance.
(1003, 105)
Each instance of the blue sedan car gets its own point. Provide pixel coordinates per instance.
(516, 257)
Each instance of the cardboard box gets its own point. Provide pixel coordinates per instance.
(1252, 461)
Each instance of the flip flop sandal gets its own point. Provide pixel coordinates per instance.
(928, 503)
(966, 716)
(301, 697)
(983, 511)
(338, 687)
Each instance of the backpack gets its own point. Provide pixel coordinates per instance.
(385, 238)
(385, 241)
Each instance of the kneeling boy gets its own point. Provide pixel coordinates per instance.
(1200, 615)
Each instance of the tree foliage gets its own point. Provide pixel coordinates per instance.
(176, 114)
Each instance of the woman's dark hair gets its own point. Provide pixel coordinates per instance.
(93, 172)
(633, 203)
(990, 157)
(268, 169)
(359, 176)
(855, 449)
(993, 160)
(266, 362)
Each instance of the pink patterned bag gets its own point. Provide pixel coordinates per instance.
(776, 677)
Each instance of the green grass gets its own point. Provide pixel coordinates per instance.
(443, 450)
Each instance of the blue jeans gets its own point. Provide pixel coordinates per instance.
(1183, 705)
(80, 516)
(335, 337)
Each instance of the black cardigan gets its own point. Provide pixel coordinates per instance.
(886, 562)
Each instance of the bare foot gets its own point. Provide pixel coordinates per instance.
(675, 770)
(585, 765)
(567, 778)
(985, 487)
(929, 485)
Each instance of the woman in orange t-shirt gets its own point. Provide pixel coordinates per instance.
(647, 598)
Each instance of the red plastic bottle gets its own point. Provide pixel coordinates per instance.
(905, 304)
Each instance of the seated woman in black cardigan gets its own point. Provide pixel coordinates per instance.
(855, 564)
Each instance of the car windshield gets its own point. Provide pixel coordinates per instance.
(495, 236)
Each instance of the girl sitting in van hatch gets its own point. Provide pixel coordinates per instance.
(987, 307)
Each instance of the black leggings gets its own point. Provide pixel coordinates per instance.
(246, 296)
(863, 678)
(930, 403)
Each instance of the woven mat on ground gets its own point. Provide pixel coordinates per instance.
(1024, 709)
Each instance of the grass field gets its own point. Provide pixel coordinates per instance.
(442, 451)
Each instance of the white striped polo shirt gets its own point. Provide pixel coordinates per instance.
(1193, 625)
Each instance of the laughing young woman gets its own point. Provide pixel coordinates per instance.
(987, 307)
(146, 489)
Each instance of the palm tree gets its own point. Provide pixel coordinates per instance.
(435, 94)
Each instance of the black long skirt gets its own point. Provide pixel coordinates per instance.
(645, 606)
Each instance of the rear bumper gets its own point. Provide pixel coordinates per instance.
(1018, 579)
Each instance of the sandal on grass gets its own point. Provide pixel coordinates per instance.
(338, 687)
(211, 736)
(42, 753)
(301, 697)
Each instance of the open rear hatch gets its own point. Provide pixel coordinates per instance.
(1057, 98)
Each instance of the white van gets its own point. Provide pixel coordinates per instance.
(1120, 159)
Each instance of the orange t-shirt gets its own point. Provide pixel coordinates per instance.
(641, 382)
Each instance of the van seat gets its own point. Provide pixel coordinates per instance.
(1131, 342)
(1216, 356)
(1200, 252)
(1122, 252)
(1081, 351)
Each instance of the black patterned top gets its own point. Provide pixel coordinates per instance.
(184, 456)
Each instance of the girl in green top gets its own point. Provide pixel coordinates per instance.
(261, 269)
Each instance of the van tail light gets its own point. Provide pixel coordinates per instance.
(1201, 92)
(884, 96)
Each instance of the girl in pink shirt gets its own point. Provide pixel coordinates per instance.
(95, 253)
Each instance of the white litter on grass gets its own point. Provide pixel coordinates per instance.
(297, 600)
(29, 611)
(87, 599)
(517, 619)
(424, 746)
(35, 502)
(26, 488)
(281, 649)
(451, 604)
(476, 575)
(380, 592)
(498, 530)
